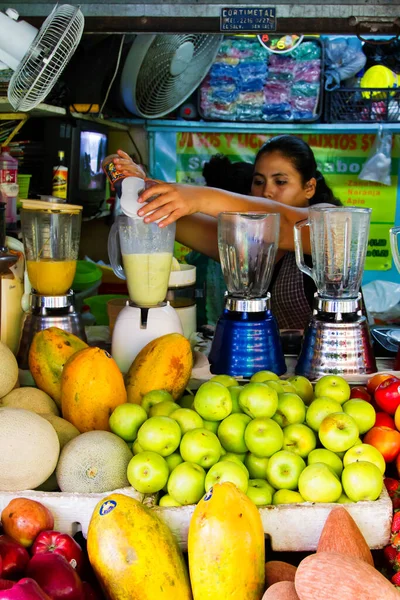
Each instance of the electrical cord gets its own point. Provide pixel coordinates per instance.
(114, 76)
(135, 147)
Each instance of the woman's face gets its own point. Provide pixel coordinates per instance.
(276, 178)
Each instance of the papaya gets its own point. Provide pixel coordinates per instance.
(134, 554)
(91, 387)
(49, 351)
(226, 546)
(163, 364)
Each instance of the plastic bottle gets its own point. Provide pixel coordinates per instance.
(9, 185)
(60, 177)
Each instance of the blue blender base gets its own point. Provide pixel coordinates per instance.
(245, 343)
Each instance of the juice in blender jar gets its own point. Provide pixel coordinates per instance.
(51, 277)
(147, 276)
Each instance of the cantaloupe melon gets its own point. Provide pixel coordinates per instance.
(8, 370)
(30, 398)
(29, 449)
(95, 461)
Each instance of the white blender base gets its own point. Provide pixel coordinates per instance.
(129, 337)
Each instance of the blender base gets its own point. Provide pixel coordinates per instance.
(245, 343)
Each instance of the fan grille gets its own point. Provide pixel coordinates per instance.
(45, 60)
(158, 91)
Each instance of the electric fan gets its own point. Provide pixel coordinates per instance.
(38, 57)
(161, 71)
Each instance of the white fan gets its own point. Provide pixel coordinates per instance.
(38, 57)
(161, 71)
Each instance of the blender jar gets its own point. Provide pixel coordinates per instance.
(146, 251)
(51, 234)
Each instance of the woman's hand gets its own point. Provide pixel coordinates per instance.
(127, 167)
(169, 202)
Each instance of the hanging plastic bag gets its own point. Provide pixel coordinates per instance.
(378, 165)
(343, 60)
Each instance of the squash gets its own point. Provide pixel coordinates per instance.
(328, 575)
(277, 570)
(282, 590)
(226, 546)
(341, 534)
(91, 387)
(163, 364)
(50, 349)
(134, 554)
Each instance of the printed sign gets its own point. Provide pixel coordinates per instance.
(236, 19)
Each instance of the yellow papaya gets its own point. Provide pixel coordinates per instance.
(226, 546)
(91, 387)
(134, 554)
(50, 349)
(163, 364)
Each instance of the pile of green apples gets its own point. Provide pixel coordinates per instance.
(279, 441)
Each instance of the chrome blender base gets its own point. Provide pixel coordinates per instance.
(246, 342)
(45, 312)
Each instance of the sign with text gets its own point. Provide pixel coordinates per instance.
(340, 158)
(236, 19)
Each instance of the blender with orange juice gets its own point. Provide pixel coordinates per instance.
(51, 234)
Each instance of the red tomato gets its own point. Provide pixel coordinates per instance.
(384, 420)
(376, 380)
(387, 395)
(384, 439)
(360, 392)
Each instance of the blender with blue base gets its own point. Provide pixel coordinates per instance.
(395, 333)
(247, 337)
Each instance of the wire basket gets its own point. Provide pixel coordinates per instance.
(366, 105)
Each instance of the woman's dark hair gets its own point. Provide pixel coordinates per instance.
(302, 158)
(236, 177)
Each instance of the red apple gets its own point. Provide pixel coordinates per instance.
(23, 519)
(384, 420)
(387, 395)
(14, 558)
(384, 439)
(59, 543)
(90, 592)
(6, 584)
(376, 380)
(25, 589)
(360, 392)
(55, 576)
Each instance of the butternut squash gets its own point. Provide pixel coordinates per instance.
(341, 534)
(226, 546)
(282, 590)
(277, 570)
(133, 553)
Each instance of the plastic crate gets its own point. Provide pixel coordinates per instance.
(362, 105)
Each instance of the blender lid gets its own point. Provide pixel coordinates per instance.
(50, 206)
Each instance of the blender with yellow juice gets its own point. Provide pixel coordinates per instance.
(51, 235)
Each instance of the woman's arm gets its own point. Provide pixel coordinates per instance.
(199, 233)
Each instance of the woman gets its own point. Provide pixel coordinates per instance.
(285, 181)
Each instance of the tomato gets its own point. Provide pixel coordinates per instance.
(384, 420)
(387, 395)
(376, 380)
(384, 439)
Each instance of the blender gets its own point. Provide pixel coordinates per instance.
(246, 337)
(146, 251)
(50, 233)
(337, 340)
(394, 333)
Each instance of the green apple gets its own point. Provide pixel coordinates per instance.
(126, 420)
(362, 412)
(291, 409)
(343, 499)
(362, 481)
(262, 376)
(322, 455)
(168, 500)
(200, 446)
(231, 432)
(263, 437)
(237, 456)
(338, 432)
(187, 419)
(319, 409)
(227, 471)
(154, 397)
(159, 434)
(186, 483)
(287, 497)
(163, 409)
(256, 466)
(258, 400)
(225, 380)
(319, 483)
(136, 448)
(147, 472)
(288, 387)
(235, 391)
(284, 470)
(299, 439)
(213, 401)
(365, 452)
(236, 459)
(260, 492)
(332, 386)
(173, 460)
(211, 425)
(303, 388)
(186, 401)
(275, 385)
